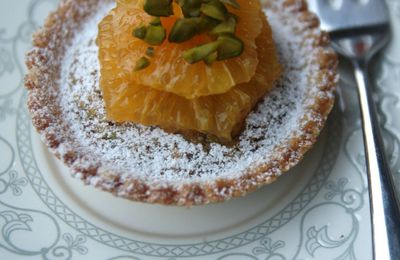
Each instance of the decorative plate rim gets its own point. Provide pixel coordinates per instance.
(50, 199)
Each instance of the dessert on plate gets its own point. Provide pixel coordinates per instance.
(183, 102)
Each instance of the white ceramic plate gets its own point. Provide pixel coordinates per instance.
(317, 211)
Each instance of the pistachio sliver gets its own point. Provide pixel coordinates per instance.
(207, 23)
(215, 9)
(150, 51)
(200, 52)
(190, 8)
(155, 35)
(230, 46)
(140, 32)
(234, 16)
(232, 3)
(156, 21)
(142, 63)
(158, 7)
(210, 59)
(183, 30)
(229, 26)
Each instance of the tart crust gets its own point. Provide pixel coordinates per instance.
(43, 81)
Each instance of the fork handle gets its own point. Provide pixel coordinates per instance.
(385, 213)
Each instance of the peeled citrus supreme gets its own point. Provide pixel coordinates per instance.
(170, 92)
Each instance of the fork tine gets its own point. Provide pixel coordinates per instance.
(349, 14)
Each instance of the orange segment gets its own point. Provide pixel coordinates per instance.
(168, 71)
(219, 115)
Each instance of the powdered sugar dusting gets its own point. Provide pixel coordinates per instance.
(150, 153)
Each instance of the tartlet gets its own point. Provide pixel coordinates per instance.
(150, 165)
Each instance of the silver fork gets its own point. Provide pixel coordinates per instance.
(359, 29)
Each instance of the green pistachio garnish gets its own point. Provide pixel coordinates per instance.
(234, 16)
(150, 51)
(200, 16)
(207, 23)
(190, 8)
(215, 9)
(159, 7)
(200, 52)
(155, 35)
(229, 26)
(142, 63)
(140, 32)
(230, 46)
(184, 29)
(232, 3)
(210, 59)
(156, 21)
